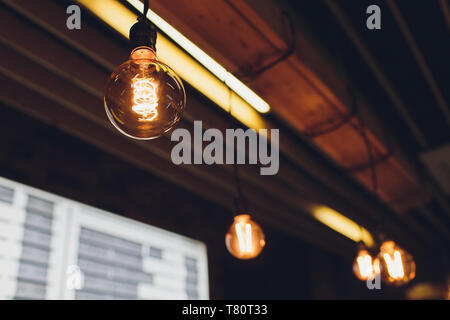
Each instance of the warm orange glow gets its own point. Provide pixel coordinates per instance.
(145, 100)
(245, 239)
(396, 265)
(376, 266)
(362, 266)
(244, 233)
(365, 265)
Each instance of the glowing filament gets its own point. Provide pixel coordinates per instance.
(365, 266)
(244, 234)
(145, 100)
(394, 267)
(248, 230)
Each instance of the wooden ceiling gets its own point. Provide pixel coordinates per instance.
(57, 76)
(307, 90)
(243, 41)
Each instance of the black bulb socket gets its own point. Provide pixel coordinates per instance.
(143, 34)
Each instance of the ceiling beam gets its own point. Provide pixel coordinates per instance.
(420, 59)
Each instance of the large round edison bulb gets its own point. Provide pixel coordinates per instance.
(144, 98)
(397, 266)
(363, 265)
(245, 238)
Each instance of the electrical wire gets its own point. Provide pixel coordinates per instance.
(239, 201)
(330, 125)
(362, 129)
(146, 7)
(143, 16)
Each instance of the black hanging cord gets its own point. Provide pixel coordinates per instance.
(144, 13)
(239, 202)
(143, 32)
(362, 129)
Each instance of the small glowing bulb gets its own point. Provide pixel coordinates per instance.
(363, 266)
(245, 238)
(397, 266)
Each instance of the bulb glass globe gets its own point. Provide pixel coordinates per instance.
(245, 238)
(363, 265)
(144, 98)
(397, 266)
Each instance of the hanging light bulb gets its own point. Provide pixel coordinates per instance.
(363, 265)
(397, 266)
(245, 238)
(144, 98)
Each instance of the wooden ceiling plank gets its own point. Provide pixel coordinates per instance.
(329, 104)
(195, 18)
